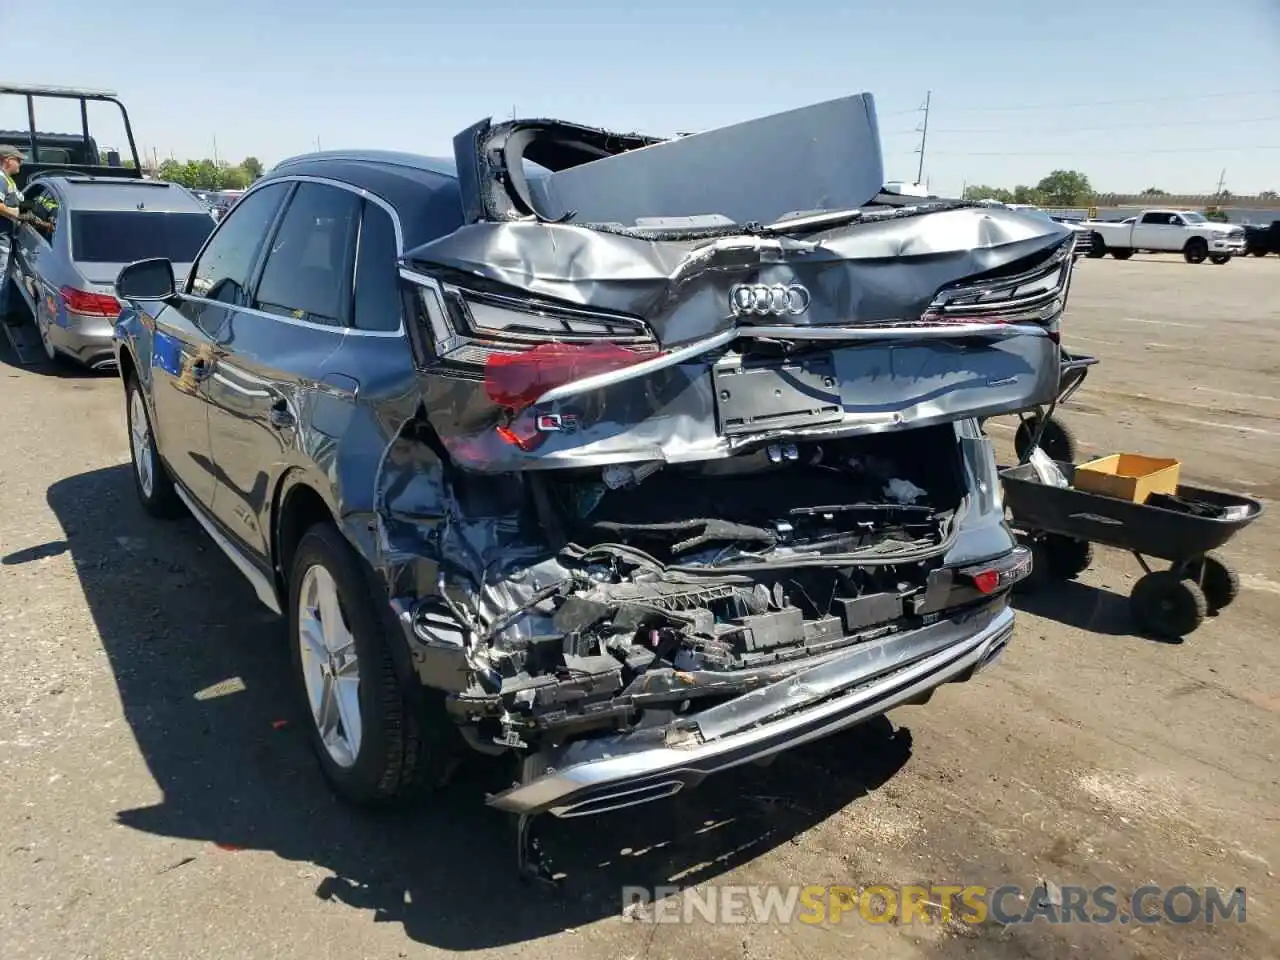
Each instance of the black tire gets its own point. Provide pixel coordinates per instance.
(1097, 247)
(1258, 253)
(1220, 258)
(1067, 557)
(1121, 253)
(1196, 250)
(162, 500)
(1057, 440)
(1219, 582)
(404, 748)
(1167, 606)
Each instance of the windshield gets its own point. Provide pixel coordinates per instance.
(123, 236)
(1194, 218)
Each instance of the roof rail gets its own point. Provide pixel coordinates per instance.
(38, 90)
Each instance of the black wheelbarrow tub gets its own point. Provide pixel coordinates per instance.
(1139, 528)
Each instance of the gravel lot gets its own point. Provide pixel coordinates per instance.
(147, 811)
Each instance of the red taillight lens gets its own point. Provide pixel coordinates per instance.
(89, 304)
(987, 580)
(516, 380)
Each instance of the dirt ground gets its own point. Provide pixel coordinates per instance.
(157, 796)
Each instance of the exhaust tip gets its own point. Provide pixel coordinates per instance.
(618, 799)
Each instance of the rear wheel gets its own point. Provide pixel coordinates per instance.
(1067, 557)
(1166, 606)
(1258, 253)
(1097, 247)
(1196, 250)
(1220, 258)
(1220, 583)
(151, 478)
(369, 728)
(1121, 253)
(1056, 441)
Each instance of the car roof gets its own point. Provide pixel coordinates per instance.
(112, 193)
(423, 190)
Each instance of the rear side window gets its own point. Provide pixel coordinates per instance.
(307, 275)
(123, 236)
(377, 277)
(223, 271)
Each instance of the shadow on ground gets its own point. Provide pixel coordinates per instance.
(23, 334)
(202, 672)
(1086, 607)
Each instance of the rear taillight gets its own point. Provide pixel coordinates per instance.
(999, 574)
(89, 304)
(516, 380)
(1035, 295)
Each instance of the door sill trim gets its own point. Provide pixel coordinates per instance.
(261, 585)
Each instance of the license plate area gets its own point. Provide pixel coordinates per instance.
(772, 394)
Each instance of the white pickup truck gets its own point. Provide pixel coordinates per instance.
(1167, 231)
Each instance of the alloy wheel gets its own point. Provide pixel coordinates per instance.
(140, 440)
(330, 667)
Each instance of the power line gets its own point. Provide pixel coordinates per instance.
(1104, 103)
(1238, 148)
(1072, 129)
(1093, 103)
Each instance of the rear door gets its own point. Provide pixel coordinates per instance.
(182, 350)
(272, 353)
(1157, 230)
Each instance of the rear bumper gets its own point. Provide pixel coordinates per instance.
(600, 774)
(88, 339)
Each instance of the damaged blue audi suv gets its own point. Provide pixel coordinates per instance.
(630, 459)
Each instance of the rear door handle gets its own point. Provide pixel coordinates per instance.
(279, 414)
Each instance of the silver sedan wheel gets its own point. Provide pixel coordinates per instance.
(140, 440)
(330, 668)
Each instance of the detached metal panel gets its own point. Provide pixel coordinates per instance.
(824, 156)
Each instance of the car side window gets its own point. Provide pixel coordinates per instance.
(307, 274)
(377, 300)
(1155, 218)
(223, 270)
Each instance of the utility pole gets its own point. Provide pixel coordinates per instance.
(215, 150)
(317, 144)
(1222, 181)
(924, 135)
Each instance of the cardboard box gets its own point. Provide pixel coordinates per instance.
(1128, 476)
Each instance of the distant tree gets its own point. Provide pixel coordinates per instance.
(1024, 194)
(1268, 195)
(1065, 188)
(252, 167)
(1217, 216)
(980, 191)
(1154, 192)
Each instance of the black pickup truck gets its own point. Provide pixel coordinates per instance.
(1261, 239)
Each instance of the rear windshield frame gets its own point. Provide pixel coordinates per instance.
(129, 240)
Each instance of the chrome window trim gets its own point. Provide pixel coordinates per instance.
(373, 198)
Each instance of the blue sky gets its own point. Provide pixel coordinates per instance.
(1190, 88)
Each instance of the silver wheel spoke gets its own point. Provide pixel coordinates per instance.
(346, 694)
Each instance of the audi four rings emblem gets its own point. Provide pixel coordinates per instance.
(779, 299)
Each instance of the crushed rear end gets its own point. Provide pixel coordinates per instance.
(699, 476)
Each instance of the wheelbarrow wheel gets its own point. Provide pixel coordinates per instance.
(1067, 557)
(1167, 606)
(1057, 441)
(1218, 581)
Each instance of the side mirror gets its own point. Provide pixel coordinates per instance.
(146, 280)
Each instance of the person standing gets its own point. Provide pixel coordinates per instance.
(10, 216)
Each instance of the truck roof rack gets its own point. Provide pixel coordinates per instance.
(45, 90)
